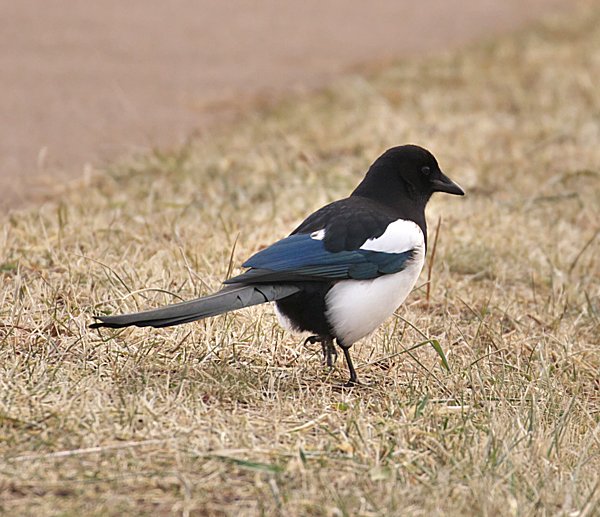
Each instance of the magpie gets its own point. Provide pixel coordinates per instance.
(343, 271)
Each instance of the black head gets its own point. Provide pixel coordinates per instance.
(404, 173)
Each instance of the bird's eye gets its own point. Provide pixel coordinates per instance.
(426, 171)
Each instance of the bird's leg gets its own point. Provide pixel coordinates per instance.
(329, 351)
(353, 377)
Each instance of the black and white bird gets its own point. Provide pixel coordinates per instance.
(344, 270)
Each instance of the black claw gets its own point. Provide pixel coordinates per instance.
(311, 340)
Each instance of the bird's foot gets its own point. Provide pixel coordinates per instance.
(327, 346)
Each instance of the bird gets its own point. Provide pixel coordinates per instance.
(343, 271)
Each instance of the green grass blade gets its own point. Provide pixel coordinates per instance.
(438, 348)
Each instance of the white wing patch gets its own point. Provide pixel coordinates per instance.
(319, 235)
(399, 236)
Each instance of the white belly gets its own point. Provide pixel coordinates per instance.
(355, 308)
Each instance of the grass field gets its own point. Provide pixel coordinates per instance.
(233, 415)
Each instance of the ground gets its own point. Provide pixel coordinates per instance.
(233, 415)
(84, 82)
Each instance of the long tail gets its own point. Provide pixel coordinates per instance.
(230, 298)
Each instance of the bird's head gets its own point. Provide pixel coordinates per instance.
(406, 171)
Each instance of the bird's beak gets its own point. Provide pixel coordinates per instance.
(444, 184)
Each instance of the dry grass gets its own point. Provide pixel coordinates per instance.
(232, 415)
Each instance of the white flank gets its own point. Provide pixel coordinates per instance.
(355, 308)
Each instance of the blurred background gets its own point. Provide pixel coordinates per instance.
(85, 82)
